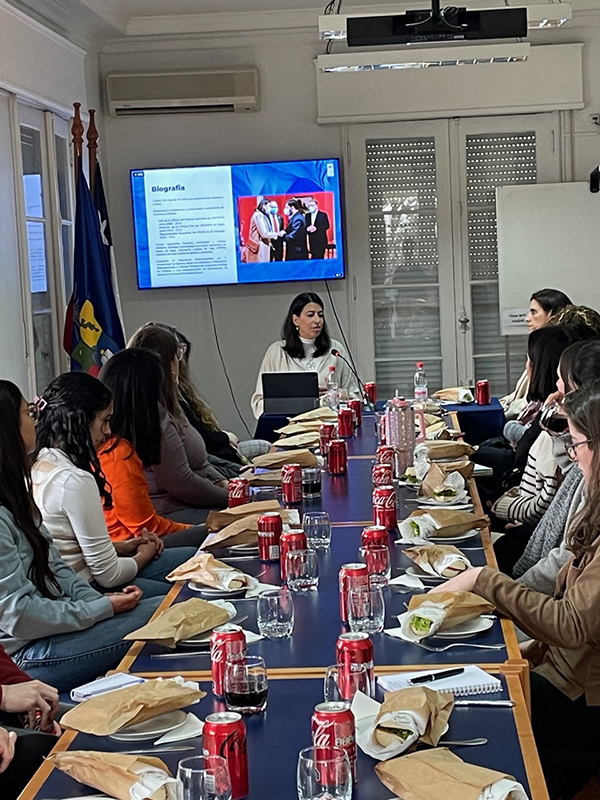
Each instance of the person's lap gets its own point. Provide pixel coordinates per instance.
(151, 579)
(190, 537)
(70, 659)
(31, 748)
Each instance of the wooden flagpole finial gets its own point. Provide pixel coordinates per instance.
(77, 133)
(92, 143)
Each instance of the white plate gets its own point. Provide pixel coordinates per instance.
(151, 728)
(414, 486)
(204, 638)
(454, 505)
(217, 594)
(250, 549)
(467, 629)
(461, 538)
(417, 572)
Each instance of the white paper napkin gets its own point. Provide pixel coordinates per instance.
(256, 588)
(191, 728)
(504, 789)
(151, 780)
(443, 563)
(421, 461)
(417, 529)
(430, 610)
(252, 637)
(365, 710)
(410, 581)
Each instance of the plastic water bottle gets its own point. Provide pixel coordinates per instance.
(420, 381)
(332, 396)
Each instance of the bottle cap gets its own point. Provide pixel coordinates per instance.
(419, 363)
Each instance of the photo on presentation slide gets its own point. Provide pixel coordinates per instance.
(244, 223)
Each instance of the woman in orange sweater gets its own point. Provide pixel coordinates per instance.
(135, 378)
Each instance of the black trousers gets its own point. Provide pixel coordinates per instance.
(567, 735)
(31, 748)
(509, 548)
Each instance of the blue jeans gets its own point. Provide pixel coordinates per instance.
(67, 660)
(151, 579)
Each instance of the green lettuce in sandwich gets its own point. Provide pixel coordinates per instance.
(415, 526)
(420, 626)
(386, 735)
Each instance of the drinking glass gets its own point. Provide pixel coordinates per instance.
(203, 778)
(329, 777)
(245, 684)
(366, 609)
(311, 482)
(361, 677)
(302, 570)
(317, 527)
(377, 559)
(380, 426)
(259, 493)
(275, 613)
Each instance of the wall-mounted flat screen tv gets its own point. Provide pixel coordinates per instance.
(242, 223)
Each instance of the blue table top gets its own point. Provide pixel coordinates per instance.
(276, 737)
(318, 625)
(347, 498)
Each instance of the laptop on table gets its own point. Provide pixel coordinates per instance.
(290, 392)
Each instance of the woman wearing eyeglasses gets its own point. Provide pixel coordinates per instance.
(565, 629)
(183, 485)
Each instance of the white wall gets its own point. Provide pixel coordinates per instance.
(249, 318)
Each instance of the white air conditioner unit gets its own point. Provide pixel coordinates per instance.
(190, 91)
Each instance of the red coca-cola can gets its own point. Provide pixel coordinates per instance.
(333, 726)
(337, 458)
(270, 527)
(291, 483)
(226, 641)
(354, 658)
(483, 396)
(371, 392)
(290, 540)
(383, 474)
(224, 735)
(350, 575)
(326, 434)
(385, 454)
(238, 492)
(356, 406)
(375, 536)
(345, 423)
(385, 507)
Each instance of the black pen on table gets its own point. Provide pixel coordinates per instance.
(436, 676)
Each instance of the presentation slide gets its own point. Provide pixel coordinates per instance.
(244, 223)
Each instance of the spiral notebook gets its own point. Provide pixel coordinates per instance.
(472, 681)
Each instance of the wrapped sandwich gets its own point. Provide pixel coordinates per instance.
(445, 561)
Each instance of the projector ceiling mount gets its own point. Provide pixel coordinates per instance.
(440, 17)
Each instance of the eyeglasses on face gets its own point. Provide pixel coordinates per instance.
(571, 448)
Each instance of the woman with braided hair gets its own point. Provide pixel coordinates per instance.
(70, 488)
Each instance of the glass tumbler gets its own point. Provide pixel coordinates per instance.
(275, 613)
(317, 527)
(203, 778)
(302, 570)
(378, 561)
(246, 684)
(366, 609)
(326, 775)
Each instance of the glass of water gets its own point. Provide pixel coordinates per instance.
(302, 570)
(377, 559)
(326, 776)
(275, 613)
(366, 609)
(317, 527)
(203, 778)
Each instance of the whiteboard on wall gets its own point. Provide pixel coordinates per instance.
(548, 237)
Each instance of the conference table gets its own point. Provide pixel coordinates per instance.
(296, 665)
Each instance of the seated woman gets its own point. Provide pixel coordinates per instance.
(69, 489)
(543, 305)
(565, 628)
(546, 551)
(135, 377)
(55, 626)
(23, 702)
(305, 347)
(182, 484)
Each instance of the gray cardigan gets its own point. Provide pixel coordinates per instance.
(25, 614)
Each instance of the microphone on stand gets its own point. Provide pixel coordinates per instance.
(370, 405)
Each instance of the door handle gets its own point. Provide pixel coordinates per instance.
(463, 321)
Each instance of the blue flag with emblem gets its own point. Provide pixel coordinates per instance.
(93, 330)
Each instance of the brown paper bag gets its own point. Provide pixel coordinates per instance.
(242, 531)
(300, 427)
(205, 569)
(463, 465)
(449, 450)
(433, 706)
(111, 773)
(181, 621)
(219, 519)
(431, 554)
(109, 713)
(435, 774)
(460, 606)
(303, 457)
(323, 413)
(438, 432)
(452, 523)
(306, 439)
(435, 477)
(272, 477)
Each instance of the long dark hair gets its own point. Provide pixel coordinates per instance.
(15, 490)
(297, 204)
(293, 346)
(551, 300)
(545, 347)
(159, 338)
(72, 402)
(580, 364)
(135, 376)
(583, 410)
